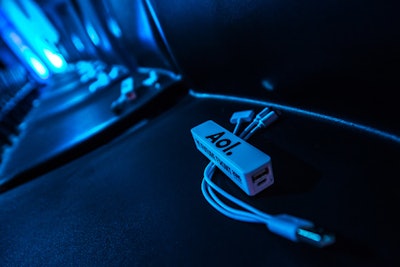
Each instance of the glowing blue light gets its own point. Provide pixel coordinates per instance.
(313, 236)
(114, 27)
(93, 34)
(56, 60)
(77, 42)
(35, 29)
(267, 85)
(35, 63)
(25, 53)
(39, 67)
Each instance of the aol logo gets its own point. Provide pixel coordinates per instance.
(223, 143)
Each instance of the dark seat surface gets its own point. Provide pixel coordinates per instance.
(136, 201)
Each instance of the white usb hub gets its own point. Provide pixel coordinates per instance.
(243, 163)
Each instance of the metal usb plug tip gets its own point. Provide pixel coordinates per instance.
(263, 112)
(315, 236)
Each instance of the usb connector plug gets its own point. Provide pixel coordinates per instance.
(299, 230)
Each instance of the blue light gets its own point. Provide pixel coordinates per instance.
(38, 67)
(114, 27)
(77, 42)
(33, 26)
(93, 34)
(143, 25)
(56, 60)
(267, 85)
(35, 63)
(25, 54)
(313, 236)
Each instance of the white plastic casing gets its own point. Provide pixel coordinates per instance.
(244, 164)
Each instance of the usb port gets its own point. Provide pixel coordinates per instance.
(259, 183)
(260, 177)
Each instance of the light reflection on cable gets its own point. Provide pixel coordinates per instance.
(303, 112)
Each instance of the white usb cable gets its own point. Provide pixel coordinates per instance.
(288, 226)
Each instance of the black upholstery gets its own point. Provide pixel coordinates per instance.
(339, 57)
